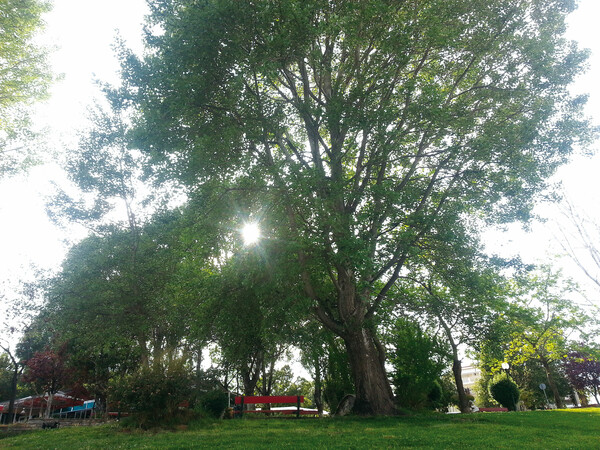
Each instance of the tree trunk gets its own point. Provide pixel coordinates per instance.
(463, 401)
(13, 393)
(49, 404)
(557, 399)
(198, 362)
(373, 391)
(318, 386)
(251, 374)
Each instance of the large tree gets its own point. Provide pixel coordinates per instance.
(362, 126)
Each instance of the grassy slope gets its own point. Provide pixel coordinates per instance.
(539, 429)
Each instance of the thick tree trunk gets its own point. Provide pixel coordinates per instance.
(373, 391)
(251, 374)
(249, 383)
(463, 401)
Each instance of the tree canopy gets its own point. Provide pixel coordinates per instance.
(369, 141)
(24, 73)
(367, 129)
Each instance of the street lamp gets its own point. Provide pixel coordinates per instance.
(505, 366)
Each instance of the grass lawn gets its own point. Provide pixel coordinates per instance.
(537, 429)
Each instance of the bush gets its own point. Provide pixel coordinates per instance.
(505, 391)
(213, 403)
(338, 380)
(153, 394)
(482, 390)
(435, 396)
(418, 360)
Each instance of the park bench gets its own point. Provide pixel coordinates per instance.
(242, 400)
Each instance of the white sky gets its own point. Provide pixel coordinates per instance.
(83, 31)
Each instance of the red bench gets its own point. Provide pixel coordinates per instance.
(269, 399)
(493, 410)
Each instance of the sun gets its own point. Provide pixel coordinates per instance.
(250, 233)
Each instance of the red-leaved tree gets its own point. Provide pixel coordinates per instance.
(583, 372)
(47, 370)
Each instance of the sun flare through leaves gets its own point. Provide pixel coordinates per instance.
(250, 233)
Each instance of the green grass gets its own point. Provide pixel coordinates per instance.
(536, 429)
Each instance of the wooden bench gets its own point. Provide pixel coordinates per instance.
(242, 400)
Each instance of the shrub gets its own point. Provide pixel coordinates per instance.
(338, 381)
(482, 390)
(213, 403)
(418, 360)
(505, 391)
(435, 395)
(153, 394)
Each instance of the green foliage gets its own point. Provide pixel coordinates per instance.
(531, 374)
(367, 130)
(154, 393)
(543, 320)
(117, 301)
(435, 396)
(482, 390)
(418, 360)
(338, 380)
(505, 391)
(247, 299)
(449, 392)
(213, 403)
(24, 74)
(6, 376)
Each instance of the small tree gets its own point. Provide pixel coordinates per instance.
(543, 324)
(214, 402)
(12, 368)
(583, 371)
(48, 371)
(337, 381)
(418, 360)
(505, 391)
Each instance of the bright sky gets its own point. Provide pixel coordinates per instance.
(83, 31)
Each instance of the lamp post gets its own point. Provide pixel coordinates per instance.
(505, 366)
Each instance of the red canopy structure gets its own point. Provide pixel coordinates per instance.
(34, 406)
